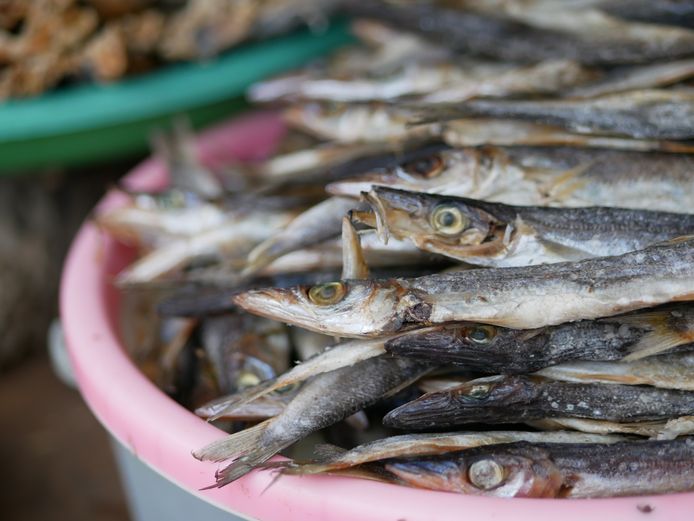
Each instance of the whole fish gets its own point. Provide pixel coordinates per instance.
(410, 445)
(623, 79)
(640, 114)
(556, 469)
(357, 123)
(588, 37)
(321, 402)
(233, 238)
(524, 298)
(544, 176)
(473, 132)
(674, 371)
(491, 349)
(436, 83)
(494, 234)
(509, 399)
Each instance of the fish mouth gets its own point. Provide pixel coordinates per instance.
(273, 303)
(423, 413)
(445, 476)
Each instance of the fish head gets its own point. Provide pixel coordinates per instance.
(473, 344)
(440, 171)
(489, 399)
(351, 308)
(450, 226)
(509, 470)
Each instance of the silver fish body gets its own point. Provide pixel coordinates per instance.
(523, 298)
(556, 470)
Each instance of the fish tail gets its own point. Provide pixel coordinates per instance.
(250, 447)
(238, 443)
(661, 338)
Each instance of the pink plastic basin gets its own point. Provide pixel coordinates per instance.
(162, 434)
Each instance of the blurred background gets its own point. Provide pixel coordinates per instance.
(83, 85)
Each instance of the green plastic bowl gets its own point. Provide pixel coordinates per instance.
(85, 123)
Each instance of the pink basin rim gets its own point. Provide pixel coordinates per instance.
(162, 434)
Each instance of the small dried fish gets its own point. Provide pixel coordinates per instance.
(587, 36)
(411, 445)
(323, 401)
(509, 399)
(556, 470)
(560, 176)
(674, 371)
(357, 123)
(498, 235)
(640, 114)
(639, 77)
(509, 132)
(524, 298)
(491, 349)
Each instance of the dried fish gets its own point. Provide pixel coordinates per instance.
(494, 234)
(541, 176)
(490, 349)
(556, 470)
(587, 36)
(323, 401)
(674, 371)
(509, 399)
(428, 444)
(639, 114)
(528, 297)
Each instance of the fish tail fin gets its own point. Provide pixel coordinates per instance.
(661, 338)
(250, 447)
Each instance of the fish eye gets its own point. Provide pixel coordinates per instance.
(247, 379)
(448, 220)
(480, 334)
(327, 294)
(486, 474)
(479, 391)
(428, 167)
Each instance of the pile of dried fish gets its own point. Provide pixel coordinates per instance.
(46, 42)
(484, 221)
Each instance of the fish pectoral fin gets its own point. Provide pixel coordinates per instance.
(662, 337)
(568, 253)
(561, 185)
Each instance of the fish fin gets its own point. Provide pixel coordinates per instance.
(237, 444)
(560, 187)
(662, 337)
(249, 445)
(353, 263)
(380, 212)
